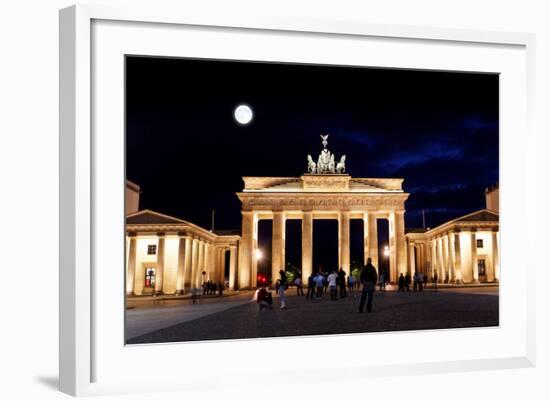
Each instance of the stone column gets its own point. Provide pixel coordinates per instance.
(490, 263)
(439, 257)
(131, 268)
(442, 268)
(232, 266)
(246, 250)
(180, 275)
(372, 239)
(412, 259)
(160, 265)
(446, 259)
(400, 244)
(434, 258)
(194, 262)
(495, 256)
(277, 245)
(187, 270)
(202, 259)
(473, 243)
(307, 245)
(458, 259)
(392, 273)
(221, 276)
(343, 243)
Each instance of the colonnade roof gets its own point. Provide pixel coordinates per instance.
(151, 221)
(322, 183)
(481, 218)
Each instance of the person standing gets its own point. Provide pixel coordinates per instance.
(382, 279)
(342, 283)
(420, 281)
(415, 281)
(401, 283)
(310, 286)
(283, 284)
(368, 280)
(331, 281)
(319, 282)
(408, 281)
(298, 284)
(351, 283)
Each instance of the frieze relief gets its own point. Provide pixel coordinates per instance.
(321, 203)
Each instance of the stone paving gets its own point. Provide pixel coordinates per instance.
(444, 309)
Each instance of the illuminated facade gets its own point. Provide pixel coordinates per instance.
(166, 255)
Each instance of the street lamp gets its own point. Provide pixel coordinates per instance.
(258, 254)
(386, 251)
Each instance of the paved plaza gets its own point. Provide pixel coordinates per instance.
(238, 316)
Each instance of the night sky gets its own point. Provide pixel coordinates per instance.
(437, 130)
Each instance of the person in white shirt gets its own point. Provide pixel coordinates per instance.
(332, 282)
(298, 284)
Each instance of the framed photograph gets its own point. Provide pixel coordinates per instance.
(252, 188)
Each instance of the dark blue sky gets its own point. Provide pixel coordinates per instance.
(437, 130)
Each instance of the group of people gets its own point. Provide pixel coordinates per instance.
(318, 283)
(419, 282)
(210, 288)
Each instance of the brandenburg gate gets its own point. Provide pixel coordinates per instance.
(325, 192)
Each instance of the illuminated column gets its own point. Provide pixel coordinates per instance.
(343, 243)
(473, 244)
(194, 262)
(246, 251)
(232, 266)
(131, 269)
(222, 270)
(439, 257)
(446, 258)
(307, 245)
(458, 258)
(412, 259)
(393, 254)
(254, 269)
(433, 259)
(372, 239)
(160, 264)
(202, 263)
(490, 263)
(496, 266)
(187, 270)
(277, 245)
(180, 275)
(400, 244)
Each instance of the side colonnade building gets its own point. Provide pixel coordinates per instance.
(461, 251)
(166, 255)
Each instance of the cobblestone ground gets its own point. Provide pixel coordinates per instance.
(392, 311)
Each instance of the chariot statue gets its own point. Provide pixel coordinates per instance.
(326, 163)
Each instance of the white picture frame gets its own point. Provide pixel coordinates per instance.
(84, 353)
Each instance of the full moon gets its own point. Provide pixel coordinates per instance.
(243, 114)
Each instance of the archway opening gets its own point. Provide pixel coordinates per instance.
(325, 245)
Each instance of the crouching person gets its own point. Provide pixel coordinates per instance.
(265, 300)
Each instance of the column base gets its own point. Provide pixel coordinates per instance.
(179, 292)
(157, 293)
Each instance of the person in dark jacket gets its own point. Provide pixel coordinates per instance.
(342, 283)
(283, 284)
(310, 286)
(408, 281)
(401, 283)
(368, 280)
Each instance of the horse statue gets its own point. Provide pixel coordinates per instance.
(341, 165)
(331, 164)
(311, 166)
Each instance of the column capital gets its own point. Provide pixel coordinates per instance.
(132, 235)
(161, 234)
